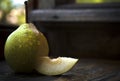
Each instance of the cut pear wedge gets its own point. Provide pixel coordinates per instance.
(56, 66)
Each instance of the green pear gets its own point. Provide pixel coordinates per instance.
(23, 46)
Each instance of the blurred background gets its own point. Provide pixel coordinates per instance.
(84, 38)
(96, 1)
(12, 12)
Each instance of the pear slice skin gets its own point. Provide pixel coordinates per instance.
(56, 66)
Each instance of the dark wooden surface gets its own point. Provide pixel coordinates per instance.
(84, 70)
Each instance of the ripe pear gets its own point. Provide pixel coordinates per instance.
(23, 46)
(54, 66)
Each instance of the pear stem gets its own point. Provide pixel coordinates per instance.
(26, 11)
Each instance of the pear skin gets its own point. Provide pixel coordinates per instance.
(23, 46)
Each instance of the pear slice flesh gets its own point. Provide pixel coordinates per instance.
(56, 66)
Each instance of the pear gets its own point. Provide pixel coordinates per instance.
(55, 66)
(23, 46)
(26, 49)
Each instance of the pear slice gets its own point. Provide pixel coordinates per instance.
(56, 66)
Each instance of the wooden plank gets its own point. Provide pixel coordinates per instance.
(75, 15)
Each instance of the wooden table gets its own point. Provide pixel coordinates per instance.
(84, 70)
